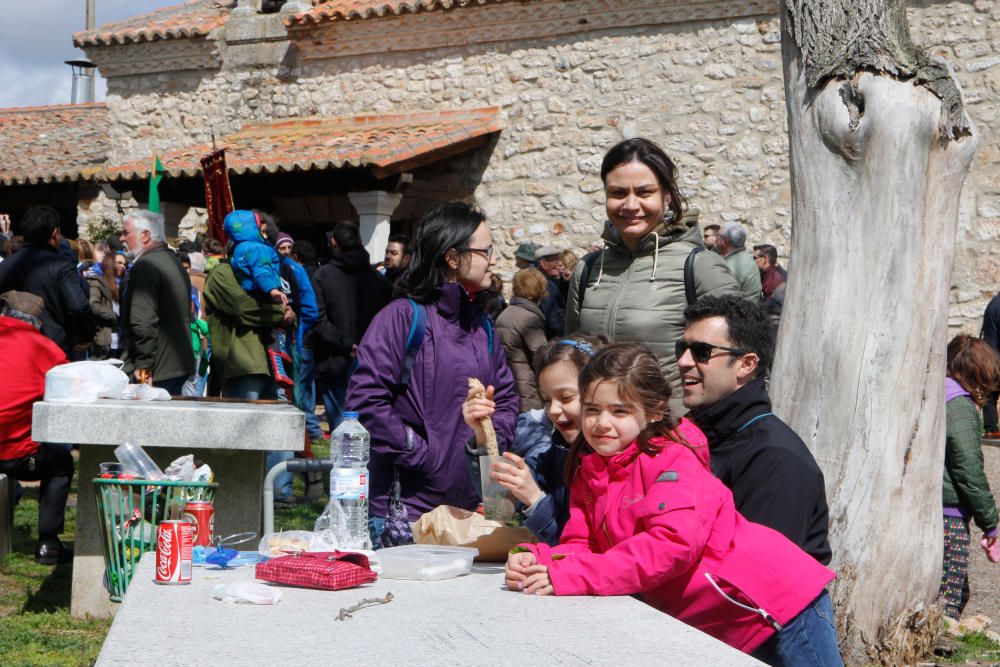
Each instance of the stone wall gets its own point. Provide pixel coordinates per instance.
(709, 91)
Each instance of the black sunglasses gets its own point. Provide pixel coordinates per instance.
(702, 352)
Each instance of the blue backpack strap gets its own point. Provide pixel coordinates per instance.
(414, 339)
(487, 324)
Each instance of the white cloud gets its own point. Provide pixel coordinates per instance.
(35, 39)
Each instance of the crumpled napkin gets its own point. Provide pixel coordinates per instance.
(246, 592)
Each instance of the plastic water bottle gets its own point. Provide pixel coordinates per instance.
(349, 451)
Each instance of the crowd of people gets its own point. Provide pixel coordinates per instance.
(627, 389)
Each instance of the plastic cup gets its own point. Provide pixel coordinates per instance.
(111, 470)
(498, 503)
(136, 461)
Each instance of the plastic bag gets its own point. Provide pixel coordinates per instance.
(247, 592)
(85, 381)
(453, 526)
(331, 531)
(143, 392)
(284, 542)
(181, 469)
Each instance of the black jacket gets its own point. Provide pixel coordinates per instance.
(349, 292)
(553, 305)
(773, 476)
(156, 313)
(43, 271)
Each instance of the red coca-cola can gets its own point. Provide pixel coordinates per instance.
(201, 515)
(173, 552)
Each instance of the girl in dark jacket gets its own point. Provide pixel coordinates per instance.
(103, 282)
(538, 480)
(973, 372)
(421, 430)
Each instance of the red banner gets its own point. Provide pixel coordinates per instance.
(218, 196)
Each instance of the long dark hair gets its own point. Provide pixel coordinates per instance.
(640, 382)
(974, 365)
(650, 154)
(445, 227)
(109, 274)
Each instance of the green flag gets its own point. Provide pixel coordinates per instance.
(155, 176)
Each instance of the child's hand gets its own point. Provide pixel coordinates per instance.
(537, 581)
(475, 409)
(277, 296)
(515, 569)
(515, 475)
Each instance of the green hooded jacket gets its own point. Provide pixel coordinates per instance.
(240, 325)
(639, 297)
(965, 483)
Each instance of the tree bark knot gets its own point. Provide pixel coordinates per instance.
(839, 38)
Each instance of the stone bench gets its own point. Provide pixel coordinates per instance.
(231, 437)
(470, 620)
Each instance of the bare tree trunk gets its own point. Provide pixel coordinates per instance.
(879, 148)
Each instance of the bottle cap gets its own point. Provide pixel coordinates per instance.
(351, 415)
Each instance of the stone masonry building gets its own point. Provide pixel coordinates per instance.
(375, 110)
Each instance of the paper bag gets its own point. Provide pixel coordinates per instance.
(452, 526)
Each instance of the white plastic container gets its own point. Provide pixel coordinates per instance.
(426, 561)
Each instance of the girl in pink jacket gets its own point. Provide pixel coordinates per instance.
(648, 517)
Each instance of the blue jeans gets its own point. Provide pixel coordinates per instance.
(333, 391)
(255, 387)
(305, 392)
(809, 639)
(251, 387)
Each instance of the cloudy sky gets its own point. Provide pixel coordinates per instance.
(36, 37)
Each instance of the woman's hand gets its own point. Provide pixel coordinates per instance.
(515, 569)
(512, 473)
(475, 409)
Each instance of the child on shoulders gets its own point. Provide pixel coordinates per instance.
(255, 263)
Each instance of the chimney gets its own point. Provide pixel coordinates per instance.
(83, 81)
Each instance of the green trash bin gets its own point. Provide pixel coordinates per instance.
(130, 510)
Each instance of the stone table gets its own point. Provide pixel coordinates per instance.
(232, 438)
(470, 620)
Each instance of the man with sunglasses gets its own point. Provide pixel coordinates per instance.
(723, 357)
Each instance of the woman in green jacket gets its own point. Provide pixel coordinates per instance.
(634, 290)
(973, 372)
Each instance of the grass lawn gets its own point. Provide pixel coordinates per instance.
(35, 625)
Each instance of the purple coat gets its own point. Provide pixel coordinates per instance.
(422, 430)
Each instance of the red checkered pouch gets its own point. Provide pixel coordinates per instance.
(326, 570)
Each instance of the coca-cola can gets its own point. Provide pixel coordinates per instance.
(201, 515)
(173, 552)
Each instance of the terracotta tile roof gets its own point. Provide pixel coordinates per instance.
(195, 18)
(53, 143)
(384, 141)
(348, 10)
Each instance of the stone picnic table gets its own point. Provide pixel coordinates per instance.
(468, 620)
(231, 437)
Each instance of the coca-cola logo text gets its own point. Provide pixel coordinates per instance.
(164, 553)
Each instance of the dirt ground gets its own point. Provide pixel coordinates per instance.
(984, 576)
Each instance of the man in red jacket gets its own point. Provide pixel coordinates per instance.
(28, 355)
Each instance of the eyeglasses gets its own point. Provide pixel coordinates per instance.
(485, 252)
(702, 352)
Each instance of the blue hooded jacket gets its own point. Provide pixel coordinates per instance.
(255, 263)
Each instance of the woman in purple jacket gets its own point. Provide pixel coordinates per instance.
(421, 429)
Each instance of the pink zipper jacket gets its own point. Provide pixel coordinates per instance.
(662, 526)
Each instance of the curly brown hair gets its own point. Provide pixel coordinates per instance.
(975, 365)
